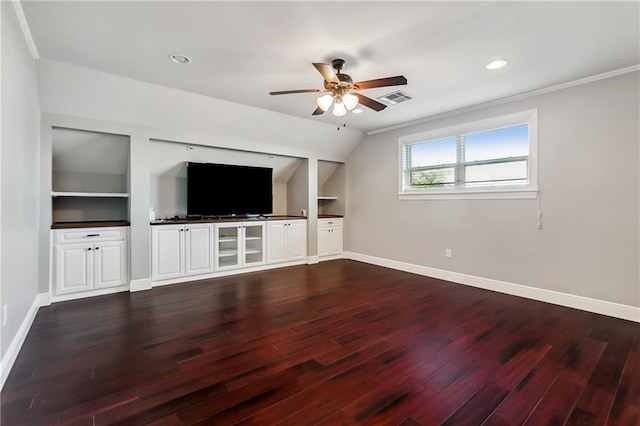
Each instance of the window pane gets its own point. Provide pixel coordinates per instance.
(497, 173)
(433, 153)
(432, 177)
(499, 143)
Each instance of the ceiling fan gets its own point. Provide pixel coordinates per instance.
(342, 92)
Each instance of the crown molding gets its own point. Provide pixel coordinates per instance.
(26, 31)
(518, 97)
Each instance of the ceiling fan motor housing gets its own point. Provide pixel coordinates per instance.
(337, 64)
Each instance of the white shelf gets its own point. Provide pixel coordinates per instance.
(91, 194)
(328, 197)
(227, 253)
(252, 251)
(252, 238)
(227, 240)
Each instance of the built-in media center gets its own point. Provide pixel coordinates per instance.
(229, 226)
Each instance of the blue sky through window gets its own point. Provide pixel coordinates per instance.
(492, 144)
(499, 143)
(434, 153)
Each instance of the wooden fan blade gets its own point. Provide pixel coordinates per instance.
(398, 80)
(327, 72)
(288, 92)
(318, 111)
(370, 103)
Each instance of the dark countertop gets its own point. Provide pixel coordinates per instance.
(90, 224)
(183, 220)
(104, 223)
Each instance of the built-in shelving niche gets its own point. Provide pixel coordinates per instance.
(90, 176)
(331, 188)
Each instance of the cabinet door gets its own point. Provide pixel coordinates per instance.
(324, 241)
(198, 249)
(276, 242)
(167, 252)
(297, 240)
(336, 240)
(254, 244)
(74, 268)
(228, 246)
(332, 241)
(110, 264)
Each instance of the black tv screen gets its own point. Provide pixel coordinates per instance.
(223, 189)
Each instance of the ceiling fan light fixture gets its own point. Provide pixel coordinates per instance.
(339, 109)
(324, 102)
(350, 101)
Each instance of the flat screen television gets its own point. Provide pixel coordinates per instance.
(224, 189)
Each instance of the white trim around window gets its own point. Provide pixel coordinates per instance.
(460, 190)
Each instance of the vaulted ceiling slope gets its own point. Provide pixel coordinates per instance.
(241, 51)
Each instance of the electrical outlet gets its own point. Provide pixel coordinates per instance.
(447, 252)
(5, 315)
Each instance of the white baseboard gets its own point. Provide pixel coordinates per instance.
(90, 293)
(43, 299)
(312, 260)
(140, 285)
(9, 358)
(332, 257)
(617, 310)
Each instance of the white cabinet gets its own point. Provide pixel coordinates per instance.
(89, 259)
(198, 249)
(330, 237)
(181, 250)
(239, 245)
(287, 240)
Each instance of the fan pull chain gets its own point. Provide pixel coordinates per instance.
(344, 124)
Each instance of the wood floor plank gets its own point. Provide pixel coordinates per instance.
(626, 405)
(337, 343)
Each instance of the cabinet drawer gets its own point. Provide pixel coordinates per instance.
(329, 222)
(89, 235)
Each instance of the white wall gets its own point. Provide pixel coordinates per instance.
(589, 186)
(19, 173)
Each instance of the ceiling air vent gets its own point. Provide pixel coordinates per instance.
(395, 97)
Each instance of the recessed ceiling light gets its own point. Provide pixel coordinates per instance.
(498, 63)
(357, 111)
(180, 59)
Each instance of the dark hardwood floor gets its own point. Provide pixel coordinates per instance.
(339, 343)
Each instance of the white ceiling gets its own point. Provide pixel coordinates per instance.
(243, 50)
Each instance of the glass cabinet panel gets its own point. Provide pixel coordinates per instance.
(227, 240)
(254, 244)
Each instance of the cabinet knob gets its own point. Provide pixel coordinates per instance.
(89, 249)
(97, 248)
(93, 235)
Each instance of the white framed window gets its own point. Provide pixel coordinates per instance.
(492, 158)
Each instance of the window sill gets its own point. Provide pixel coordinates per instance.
(472, 194)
